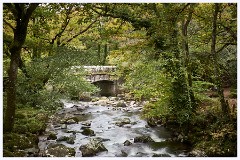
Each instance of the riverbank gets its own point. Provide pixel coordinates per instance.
(210, 133)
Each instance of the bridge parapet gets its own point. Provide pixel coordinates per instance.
(100, 69)
(100, 73)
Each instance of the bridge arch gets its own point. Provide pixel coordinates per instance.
(107, 87)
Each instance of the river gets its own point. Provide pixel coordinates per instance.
(114, 125)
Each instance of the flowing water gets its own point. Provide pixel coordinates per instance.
(103, 120)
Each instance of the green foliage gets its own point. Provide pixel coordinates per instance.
(30, 120)
(218, 137)
(53, 77)
(200, 88)
(147, 81)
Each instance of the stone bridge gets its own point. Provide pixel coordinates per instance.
(100, 73)
(103, 77)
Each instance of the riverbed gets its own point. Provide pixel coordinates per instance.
(116, 123)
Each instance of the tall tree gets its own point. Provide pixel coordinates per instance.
(21, 13)
(185, 45)
(224, 105)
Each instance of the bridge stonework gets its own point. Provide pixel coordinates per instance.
(103, 77)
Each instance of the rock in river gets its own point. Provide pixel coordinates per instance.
(88, 132)
(52, 136)
(69, 140)
(92, 148)
(127, 143)
(143, 139)
(60, 150)
(121, 104)
(123, 122)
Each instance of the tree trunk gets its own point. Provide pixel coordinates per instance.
(22, 17)
(185, 24)
(218, 82)
(11, 93)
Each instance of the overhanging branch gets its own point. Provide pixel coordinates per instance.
(80, 32)
(64, 26)
(8, 24)
(224, 46)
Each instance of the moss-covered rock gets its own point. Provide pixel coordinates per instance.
(60, 150)
(92, 148)
(15, 144)
(123, 122)
(70, 120)
(62, 138)
(143, 139)
(121, 104)
(88, 132)
(70, 140)
(52, 136)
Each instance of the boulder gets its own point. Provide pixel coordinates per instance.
(69, 140)
(52, 136)
(127, 143)
(62, 138)
(88, 132)
(121, 104)
(152, 122)
(143, 139)
(70, 121)
(79, 108)
(60, 150)
(123, 122)
(92, 148)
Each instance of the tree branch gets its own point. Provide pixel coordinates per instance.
(80, 32)
(224, 46)
(30, 9)
(137, 23)
(9, 24)
(64, 26)
(181, 10)
(230, 31)
(12, 9)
